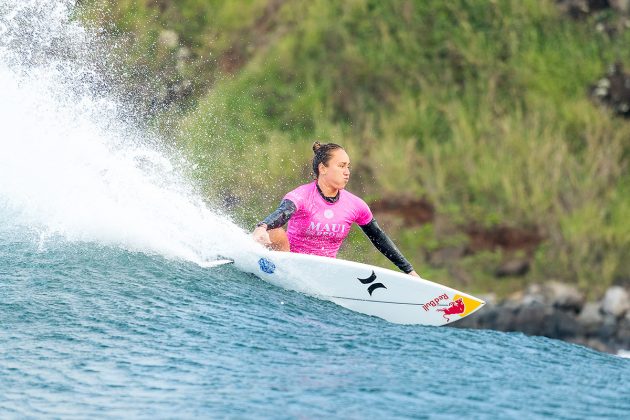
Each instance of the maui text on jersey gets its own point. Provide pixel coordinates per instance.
(326, 229)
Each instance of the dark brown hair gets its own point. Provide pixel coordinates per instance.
(323, 153)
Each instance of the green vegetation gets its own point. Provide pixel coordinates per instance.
(481, 107)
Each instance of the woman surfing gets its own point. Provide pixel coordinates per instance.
(320, 214)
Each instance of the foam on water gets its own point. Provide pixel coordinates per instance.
(71, 166)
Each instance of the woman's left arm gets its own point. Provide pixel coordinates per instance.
(386, 246)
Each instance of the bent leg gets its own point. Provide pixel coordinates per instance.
(279, 240)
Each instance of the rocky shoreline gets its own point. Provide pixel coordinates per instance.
(560, 311)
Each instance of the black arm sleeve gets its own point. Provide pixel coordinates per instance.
(281, 215)
(382, 242)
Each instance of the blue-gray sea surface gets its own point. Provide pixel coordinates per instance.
(89, 330)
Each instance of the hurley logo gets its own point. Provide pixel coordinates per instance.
(374, 286)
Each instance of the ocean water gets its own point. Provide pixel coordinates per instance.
(90, 330)
(105, 312)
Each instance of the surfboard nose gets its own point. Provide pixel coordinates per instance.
(470, 304)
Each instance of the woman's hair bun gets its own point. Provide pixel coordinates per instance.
(316, 146)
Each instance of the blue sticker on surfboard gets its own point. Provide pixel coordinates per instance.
(266, 266)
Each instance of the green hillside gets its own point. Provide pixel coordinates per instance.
(481, 108)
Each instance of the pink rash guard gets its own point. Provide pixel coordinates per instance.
(319, 227)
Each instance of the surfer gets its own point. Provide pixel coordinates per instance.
(320, 214)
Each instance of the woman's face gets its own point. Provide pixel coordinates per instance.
(337, 173)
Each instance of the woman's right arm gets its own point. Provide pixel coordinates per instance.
(276, 219)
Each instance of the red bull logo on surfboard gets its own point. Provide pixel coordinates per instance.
(456, 307)
(434, 302)
(459, 305)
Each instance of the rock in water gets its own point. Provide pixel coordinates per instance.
(616, 301)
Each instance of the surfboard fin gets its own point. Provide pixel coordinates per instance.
(215, 263)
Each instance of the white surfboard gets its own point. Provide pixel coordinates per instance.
(391, 295)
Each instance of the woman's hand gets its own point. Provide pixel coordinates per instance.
(261, 235)
(413, 273)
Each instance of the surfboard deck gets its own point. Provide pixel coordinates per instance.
(391, 295)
